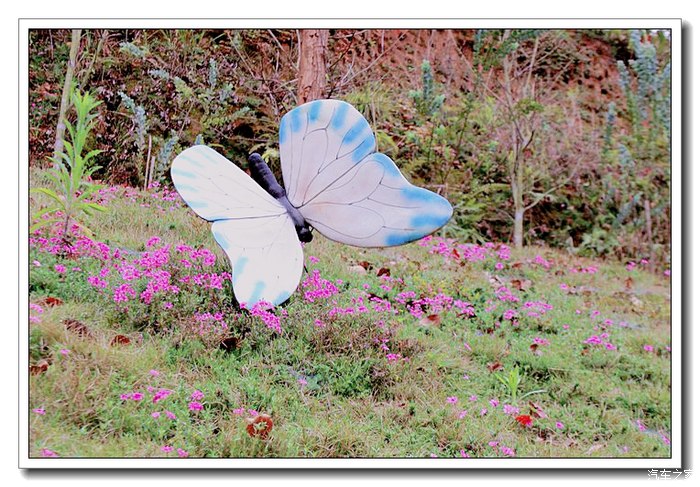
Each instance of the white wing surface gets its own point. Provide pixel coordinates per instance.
(252, 228)
(344, 188)
(266, 257)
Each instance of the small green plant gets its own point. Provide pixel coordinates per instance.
(428, 101)
(71, 171)
(512, 384)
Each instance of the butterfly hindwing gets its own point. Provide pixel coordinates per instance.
(266, 257)
(252, 227)
(344, 188)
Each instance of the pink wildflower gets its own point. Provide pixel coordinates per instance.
(123, 293)
(195, 406)
(153, 241)
(161, 394)
(97, 282)
(511, 410)
(509, 452)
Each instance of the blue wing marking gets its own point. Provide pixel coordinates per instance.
(345, 189)
(256, 296)
(252, 228)
(216, 189)
(265, 255)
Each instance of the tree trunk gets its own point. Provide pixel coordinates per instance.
(65, 95)
(518, 228)
(312, 65)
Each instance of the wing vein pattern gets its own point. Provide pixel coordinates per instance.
(344, 188)
(252, 228)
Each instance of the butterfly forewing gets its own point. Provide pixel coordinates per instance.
(252, 228)
(217, 189)
(346, 190)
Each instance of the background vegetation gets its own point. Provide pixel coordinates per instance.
(563, 132)
(459, 345)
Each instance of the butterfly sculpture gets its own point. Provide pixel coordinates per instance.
(334, 181)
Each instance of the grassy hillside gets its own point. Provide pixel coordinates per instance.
(437, 348)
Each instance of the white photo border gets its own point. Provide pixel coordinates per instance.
(677, 430)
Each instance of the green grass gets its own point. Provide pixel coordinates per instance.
(332, 391)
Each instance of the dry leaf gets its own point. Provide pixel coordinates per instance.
(39, 368)
(357, 269)
(230, 343)
(521, 284)
(383, 272)
(581, 290)
(119, 340)
(495, 281)
(51, 301)
(628, 283)
(494, 366)
(536, 410)
(259, 426)
(430, 320)
(77, 327)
